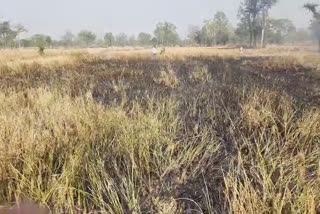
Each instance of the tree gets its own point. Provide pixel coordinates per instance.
(109, 39)
(315, 24)
(208, 33)
(214, 31)
(251, 12)
(132, 41)
(67, 39)
(26, 42)
(41, 41)
(265, 7)
(313, 8)
(19, 30)
(315, 28)
(99, 42)
(195, 34)
(242, 33)
(48, 40)
(154, 41)
(222, 29)
(121, 39)
(300, 35)
(166, 34)
(144, 39)
(244, 28)
(278, 30)
(86, 37)
(7, 34)
(56, 43)
(248, 12)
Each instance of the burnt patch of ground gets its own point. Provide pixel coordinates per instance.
(137, 77)
(214, 98)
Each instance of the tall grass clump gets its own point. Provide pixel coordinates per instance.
(200, 74)
(72, 154)
(276, 170)
(167, 77)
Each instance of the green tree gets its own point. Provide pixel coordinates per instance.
(10, 34)
(242, 32)
(7, 34)
(41, 41)
(99, 42)
(298, 36)
(208, 33)
(265, 6)
(216, 31)
(154, 41)
(19, 30)
(26, 42)
(194, 34)
(314, 9)
(315, 28)
(166, 34)
(222, 28)
(278, 30)
(248, 12)
(121, 39)
(109, 39)
(132, 41)
(86, 37)
(144, 39)
(244, 28)
(48, 40)
(67, 38)
(315, 24)
(253, 15)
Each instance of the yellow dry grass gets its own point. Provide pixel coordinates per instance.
(303, 54)
(53, 57)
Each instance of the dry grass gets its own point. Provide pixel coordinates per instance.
(56, 141)
(17, 59)
(167, 77)
(200, 74)
(302, 54)
(192, 131)
(279, 173)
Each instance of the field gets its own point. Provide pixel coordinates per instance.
(196, 130)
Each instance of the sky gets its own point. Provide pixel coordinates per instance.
(55, 17)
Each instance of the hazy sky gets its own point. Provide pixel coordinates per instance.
(54, 17)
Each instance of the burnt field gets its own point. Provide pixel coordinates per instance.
(141, 135)
(139, 78)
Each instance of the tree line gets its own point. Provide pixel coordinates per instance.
(165, 34)
(254, 29)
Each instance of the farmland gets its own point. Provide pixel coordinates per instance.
(195, 130)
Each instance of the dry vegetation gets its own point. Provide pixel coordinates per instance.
(196, 130)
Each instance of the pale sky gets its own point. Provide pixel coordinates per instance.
(54, 17)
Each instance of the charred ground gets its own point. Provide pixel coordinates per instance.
(245, 105)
